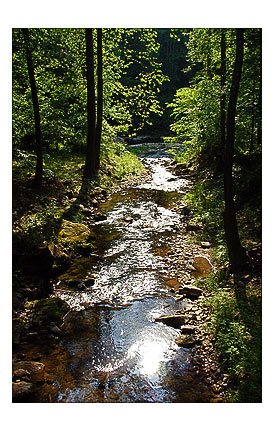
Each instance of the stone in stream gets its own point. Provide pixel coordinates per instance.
(35, 370)
(185, 341)
(70, 232)
(187, 329)
(127, 219)
(20, 374)
(191, 291)
(55, 329)
(22, 390)
(174, 320)
(100, 217)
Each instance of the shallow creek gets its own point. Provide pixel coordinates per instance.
(111, 349)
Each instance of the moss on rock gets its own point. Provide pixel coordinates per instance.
(49, 310)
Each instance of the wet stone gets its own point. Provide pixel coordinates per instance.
(192, 291)
(187, 329)
(22, 390)
(185, 341)
(176, 320)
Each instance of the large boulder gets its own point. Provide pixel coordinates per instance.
(71, 232)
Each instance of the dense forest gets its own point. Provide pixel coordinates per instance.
(90, 107)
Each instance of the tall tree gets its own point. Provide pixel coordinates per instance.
(237, 255)
(90, 163)
(223, 82)
(99, 97)
(38, 133)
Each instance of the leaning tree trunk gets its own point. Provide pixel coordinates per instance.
(237, 255)
(38, 134)
(90, 163)
(99, 97)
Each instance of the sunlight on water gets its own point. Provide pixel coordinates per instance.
(151, 353)
(162, 178)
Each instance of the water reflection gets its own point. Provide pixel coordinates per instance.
(150, 352)
(111, 352)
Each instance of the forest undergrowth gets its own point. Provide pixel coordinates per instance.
(235, 301)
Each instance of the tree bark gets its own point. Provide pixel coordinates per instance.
(90, 163)
(99, 96)
(252, 118)
(223, 95)
(237, 255)
(38, 133)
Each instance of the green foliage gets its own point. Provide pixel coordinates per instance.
(236, 329)
(231, 336)
(131, 78)
(38, 216)
(206, 202)
(196, 109)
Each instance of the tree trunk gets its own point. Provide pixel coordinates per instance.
(99, 96)
(38, 134)
(223, 95)
(237, 255)
(259, 126)
(90, 163)
(253, 118)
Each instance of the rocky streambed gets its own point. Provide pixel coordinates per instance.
(124, 322)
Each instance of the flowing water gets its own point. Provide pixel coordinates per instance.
(111, 349)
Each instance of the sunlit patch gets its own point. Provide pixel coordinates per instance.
(150, 352)
(109, 367)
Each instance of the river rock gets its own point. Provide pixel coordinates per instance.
(71, 232)
(17, 328)
(192, 228)
(20, 374)
(174, 320)
(192, 291)
(54, 329)
(185, 341)
(185, 211)
(100, 217)
(188, 329)
(49, 310)
(34, 369)
(202, 266)
(181, 169)
(87, 212)
(127, 219)
(22, 390)
(205, 244)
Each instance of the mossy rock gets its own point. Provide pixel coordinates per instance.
(49, 310)
(73, 232)
(79, 270)
(186, 341)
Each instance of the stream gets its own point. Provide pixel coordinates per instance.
(111, 349)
